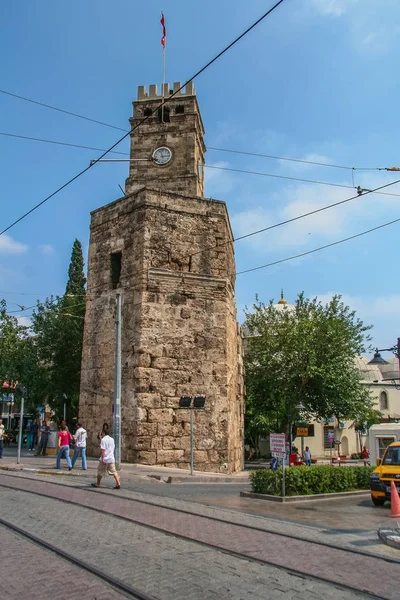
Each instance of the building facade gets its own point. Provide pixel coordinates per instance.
(168, 251)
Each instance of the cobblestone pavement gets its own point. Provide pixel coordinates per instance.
(358, 533)
(31, 572)
(161, 565)
(364, 572)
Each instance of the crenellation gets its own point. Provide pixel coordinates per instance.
(188, 90)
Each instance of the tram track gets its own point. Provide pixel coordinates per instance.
(118, 585)
(218, 520)
(222, 544)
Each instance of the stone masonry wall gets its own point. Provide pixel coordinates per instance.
(179, 330)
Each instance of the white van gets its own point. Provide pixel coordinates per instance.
(380, 437)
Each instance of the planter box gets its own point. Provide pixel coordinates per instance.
(271, 498)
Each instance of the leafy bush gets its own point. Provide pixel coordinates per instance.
(306, 481)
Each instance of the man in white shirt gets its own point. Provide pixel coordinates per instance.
(80, 446)
(107, 461)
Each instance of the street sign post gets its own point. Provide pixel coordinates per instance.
(277, 444)
(331, 440)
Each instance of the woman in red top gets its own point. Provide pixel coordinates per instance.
(64, 438)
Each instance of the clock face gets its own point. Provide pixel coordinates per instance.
(162, 156)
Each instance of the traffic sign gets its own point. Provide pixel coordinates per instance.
(301, 431)
(277, 444)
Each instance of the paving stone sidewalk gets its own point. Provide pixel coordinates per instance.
(161, 565)
(365, 539)
(365, 572)
(31, 572)
(30, 462)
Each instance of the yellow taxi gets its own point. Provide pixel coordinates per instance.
(387, 470)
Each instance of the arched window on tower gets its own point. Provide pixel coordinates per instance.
(163, 114)
(148, 112)
(383, 401)
(180, 109)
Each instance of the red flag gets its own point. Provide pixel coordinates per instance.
(164, 36)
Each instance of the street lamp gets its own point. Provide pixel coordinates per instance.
(185, 402)
(378, 360)
(299, 407)
(21, 389)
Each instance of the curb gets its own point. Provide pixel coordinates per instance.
(195, 479)
(390, 534)
(310, 498)
(149, 477)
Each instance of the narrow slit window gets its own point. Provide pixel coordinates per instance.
(163, 114)
(116, 259)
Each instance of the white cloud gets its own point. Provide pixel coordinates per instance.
(25, 321)
(371, 307)
(383, 312)
(324, 226)
(335, 8)
(47, 249)
(302, 166)
(10, 246)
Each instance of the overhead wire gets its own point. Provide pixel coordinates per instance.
(352, 237)
(243, 171)
(293, 219)
(58, 143)
(61, 110)
(274, 226)
(165, 101)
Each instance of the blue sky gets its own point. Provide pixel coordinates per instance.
(318, 80)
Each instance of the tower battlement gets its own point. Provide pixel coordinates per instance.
(167, 91)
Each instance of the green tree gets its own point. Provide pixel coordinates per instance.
(304, 356)
(12, 338)
(58, 327)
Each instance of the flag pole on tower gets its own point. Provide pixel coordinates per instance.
(164, 46)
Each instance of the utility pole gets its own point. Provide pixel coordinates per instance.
(117, 385)
(22, 390)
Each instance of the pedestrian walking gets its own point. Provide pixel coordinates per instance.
(307, 456)
(44, 438)
(80, 446)
(64, 438)
(33, 435)
(365, 452)
(104, 431)
(1, 437)
(107, 460)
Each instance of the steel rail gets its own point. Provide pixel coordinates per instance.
(297, 572)
(112, 581)
(211, 518)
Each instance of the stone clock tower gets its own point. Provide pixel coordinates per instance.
(168, 251)
(172, 137)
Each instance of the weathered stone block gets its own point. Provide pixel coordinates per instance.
(142, 443)
(148, 400)
(161, 415)
(172, 429)
(169, 456)
(165, 363)
(147, 458)
(146, 429)
(173, 443)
